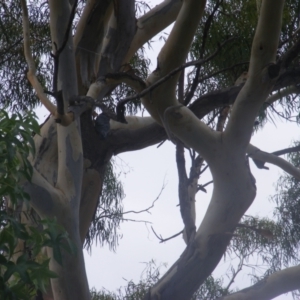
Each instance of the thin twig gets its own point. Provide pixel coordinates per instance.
(167, 239)
(202, 50)
(171, 74)
(235, 273)
(203, 170)
(146, 209)
(201, 187)
(222, 70)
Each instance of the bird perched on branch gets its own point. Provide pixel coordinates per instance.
(102, 125)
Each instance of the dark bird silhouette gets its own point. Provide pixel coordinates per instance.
(102, 125)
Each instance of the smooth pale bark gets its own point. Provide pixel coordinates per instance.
(187, 189)
(31, 74)
(131, 137)
(226, 159)
(147, 27)
(290, 90)
(88, 39)
(99, 88)
(152, 23)
(171, 56)
(234, 186)
(228, 204)
(262, 156)
(71, 282)
(46, 155)
(260, 80)
(133, 122)
(276, 284)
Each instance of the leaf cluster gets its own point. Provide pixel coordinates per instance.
(211, 289)
(23, 267)
(109, 212)
(237, 20)
(16, 144)
(15, 90)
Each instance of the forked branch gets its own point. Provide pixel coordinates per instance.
(31, 74)
(186, 202)
(262, 156)
(62, 118)
(270, 287)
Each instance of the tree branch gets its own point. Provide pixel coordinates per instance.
(262, 74)
(153, 22)
(31, 74)
(186, 206)
(282, 93)
(201, 107)
(287, 150)
(90, 32)
(262, 156)
(44, 197)
(69, 139)
(292, 53)
(56, 55)
(207, 26)
(148, 91)
(162, 240)
(270, 287)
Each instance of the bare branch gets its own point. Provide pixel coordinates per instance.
(207, 26)
(292, 53)
(31, 75)
(201, 107)
(162, 240)
(186, 209)
(262, 75)
(235, 273)
(256, 153)
(195, 83)
(62, 118)
(153, 22)
(282, 93)
(222, 70)
(158, 83)
(181, 87)
(146, 209)
(57, 53)
(174, 52)
(287, 150)
(133, 81)
(270, 287)
(201, 187)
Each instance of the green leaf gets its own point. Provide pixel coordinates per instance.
(3, 260)
(7, 237)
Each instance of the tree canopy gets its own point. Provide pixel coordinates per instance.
(225, 70)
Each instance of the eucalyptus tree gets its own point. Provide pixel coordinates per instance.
(97, 62)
